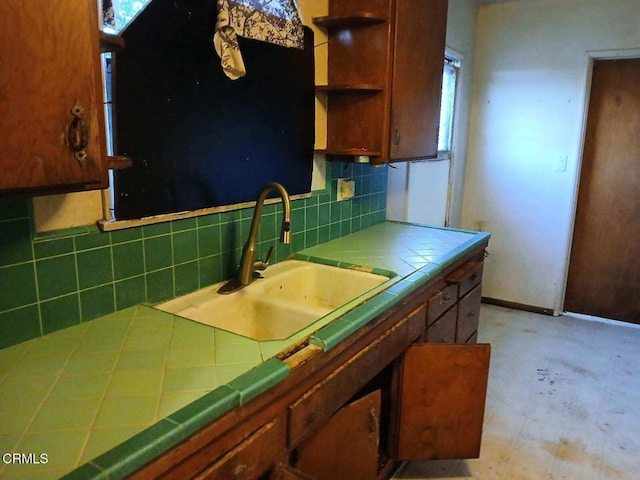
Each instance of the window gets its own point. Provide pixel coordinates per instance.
(447, 108)
(116, 16)
(198, 140)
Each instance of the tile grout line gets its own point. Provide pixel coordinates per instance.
(156, 416)
(91, 428)
(48, 394)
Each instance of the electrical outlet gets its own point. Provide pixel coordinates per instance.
(346, 189)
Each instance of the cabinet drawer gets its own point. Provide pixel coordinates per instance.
(252, 458)
(443, 330)
(313, 409)
(468, 315)
(441, 302)
(466, 277)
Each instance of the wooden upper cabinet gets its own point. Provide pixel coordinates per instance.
(385, 61)
(441, 403)
(49, 65)
(418, 61)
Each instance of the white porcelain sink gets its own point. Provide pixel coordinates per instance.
(292, 296)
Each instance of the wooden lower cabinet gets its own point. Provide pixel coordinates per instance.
(453, 312)
(387, 393)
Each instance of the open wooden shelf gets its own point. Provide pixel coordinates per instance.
(351, 20)
(362, 88)
(110, 42)
(119, 162)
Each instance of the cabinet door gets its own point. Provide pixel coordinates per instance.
(50, 60)
(442, 398)
(253, 457)
(346, 447)
(418, 61)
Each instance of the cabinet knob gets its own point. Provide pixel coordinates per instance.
(78, 133)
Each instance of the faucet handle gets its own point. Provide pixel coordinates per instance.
(263, 264)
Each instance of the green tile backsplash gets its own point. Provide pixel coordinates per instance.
(52, 281)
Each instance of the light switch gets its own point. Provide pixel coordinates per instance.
(560, 164)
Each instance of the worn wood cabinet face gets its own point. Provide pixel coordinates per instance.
(443, 330)
(252, 458)
(50, 60)
(346, 445)
(442, 397)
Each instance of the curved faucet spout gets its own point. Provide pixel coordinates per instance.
(248, 265)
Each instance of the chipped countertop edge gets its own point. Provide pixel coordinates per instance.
(160, 437)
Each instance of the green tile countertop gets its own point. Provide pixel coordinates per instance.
(101, 399)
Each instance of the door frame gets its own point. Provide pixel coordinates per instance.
(592, 56)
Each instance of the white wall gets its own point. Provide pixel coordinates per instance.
(413, 204)
(530, 88)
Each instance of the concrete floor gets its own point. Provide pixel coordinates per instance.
(563, 402)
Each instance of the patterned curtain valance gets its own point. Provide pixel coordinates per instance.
(273, 21)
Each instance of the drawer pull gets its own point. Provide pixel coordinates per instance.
(78, 133)
(445, 300)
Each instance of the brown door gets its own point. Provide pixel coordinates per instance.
(442, 398)
(604, 267)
